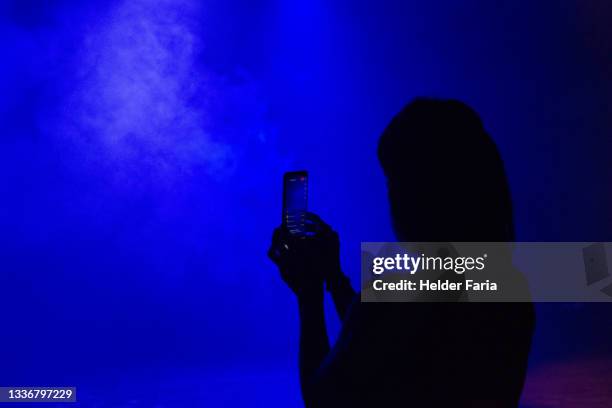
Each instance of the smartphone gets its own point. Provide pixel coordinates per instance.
(295, 201)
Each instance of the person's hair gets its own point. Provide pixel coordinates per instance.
(445, 175)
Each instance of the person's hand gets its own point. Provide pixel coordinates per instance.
(295, 259)
(305, 262)
(327, 245)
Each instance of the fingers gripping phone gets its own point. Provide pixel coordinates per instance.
(295, 202)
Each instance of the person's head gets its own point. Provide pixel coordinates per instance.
(446, 180)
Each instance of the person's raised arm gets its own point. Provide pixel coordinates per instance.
(314, 345)
(342, 293)
(297, 260)
(336, 282)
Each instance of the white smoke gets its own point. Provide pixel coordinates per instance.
(137, 108)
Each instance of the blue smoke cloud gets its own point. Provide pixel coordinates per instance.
(131, 161)
(140, 104)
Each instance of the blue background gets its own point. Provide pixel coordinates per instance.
(143, 147)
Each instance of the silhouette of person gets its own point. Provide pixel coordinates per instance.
(446, 354)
